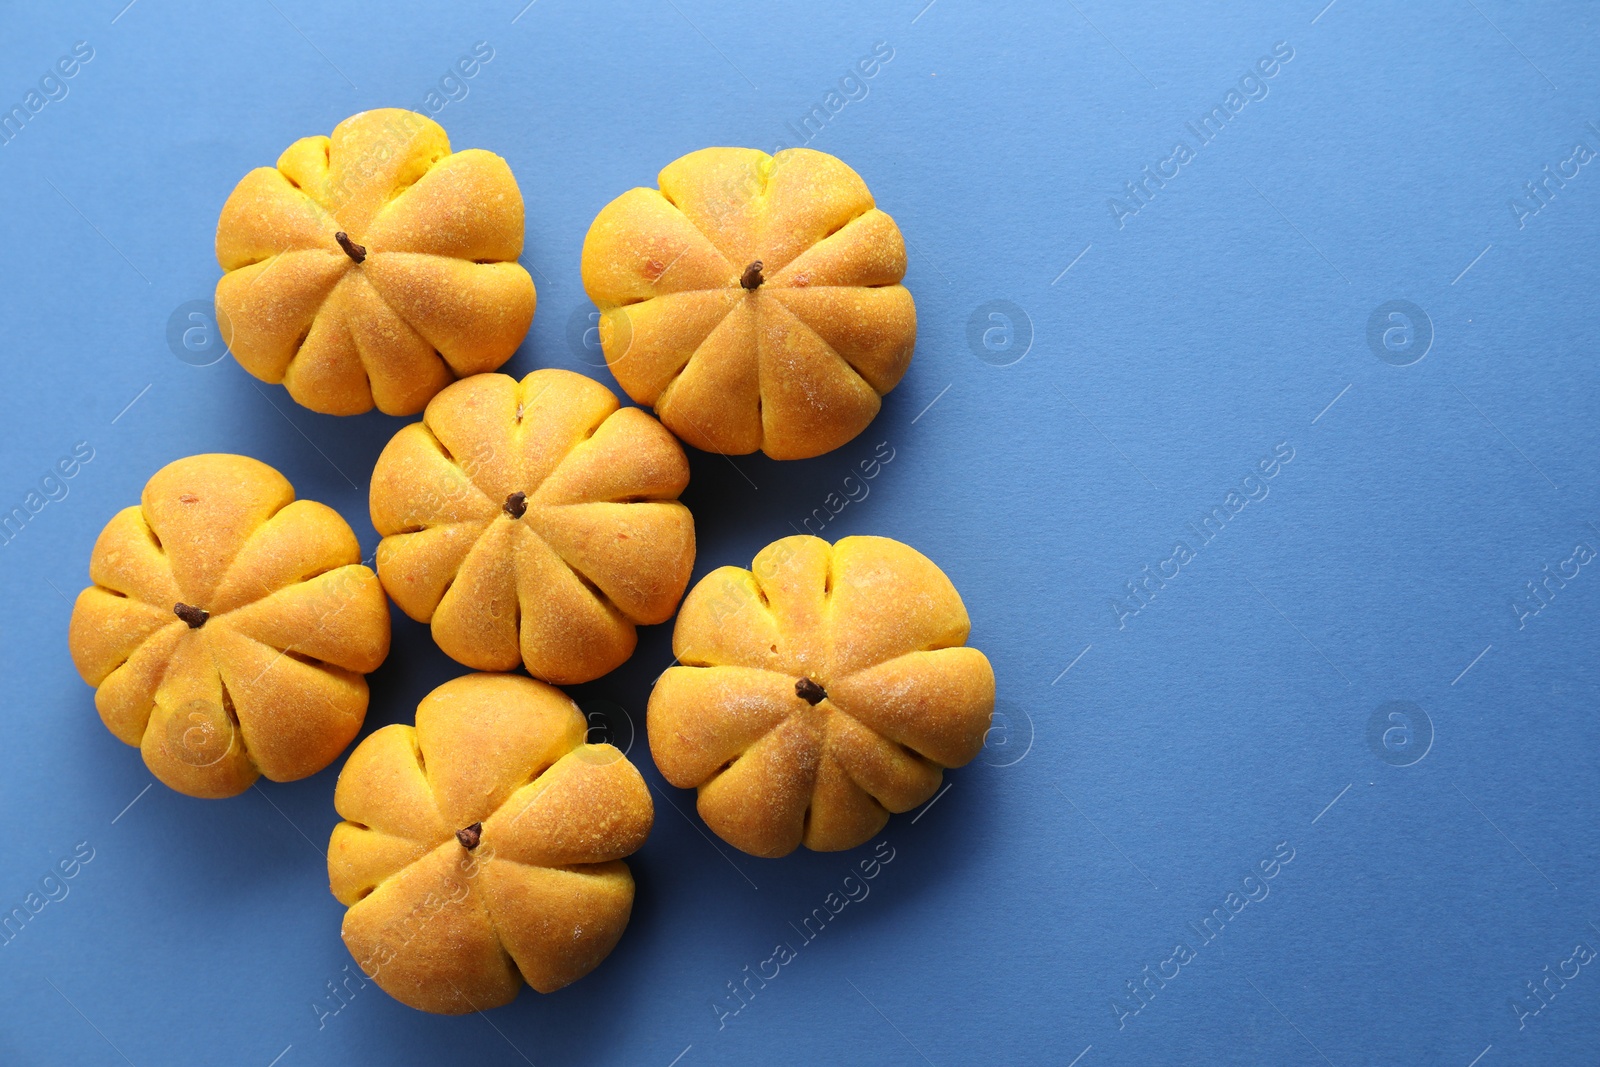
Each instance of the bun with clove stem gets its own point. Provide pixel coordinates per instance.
(483, 847)
(229, 627)
(818, 692)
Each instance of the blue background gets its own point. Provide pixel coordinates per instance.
(1116, 802)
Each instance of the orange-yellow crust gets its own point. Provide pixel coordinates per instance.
(271, 681)
(794, 367)
(559, 579)
(439, 295)
(543, 895)
(819, 691)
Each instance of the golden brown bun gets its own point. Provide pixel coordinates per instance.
(439, 295)
(270, 681)
(541, 897)
(794, 367)
(601, 545)
(872, 632)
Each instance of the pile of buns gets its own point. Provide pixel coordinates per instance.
(754, 303)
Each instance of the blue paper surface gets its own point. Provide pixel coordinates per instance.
(1356, 273)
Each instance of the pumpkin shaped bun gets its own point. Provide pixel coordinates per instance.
(483, 848)
(374, 267)
(819, 691)
(754, 301)
(535, 523)
(228, 627)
